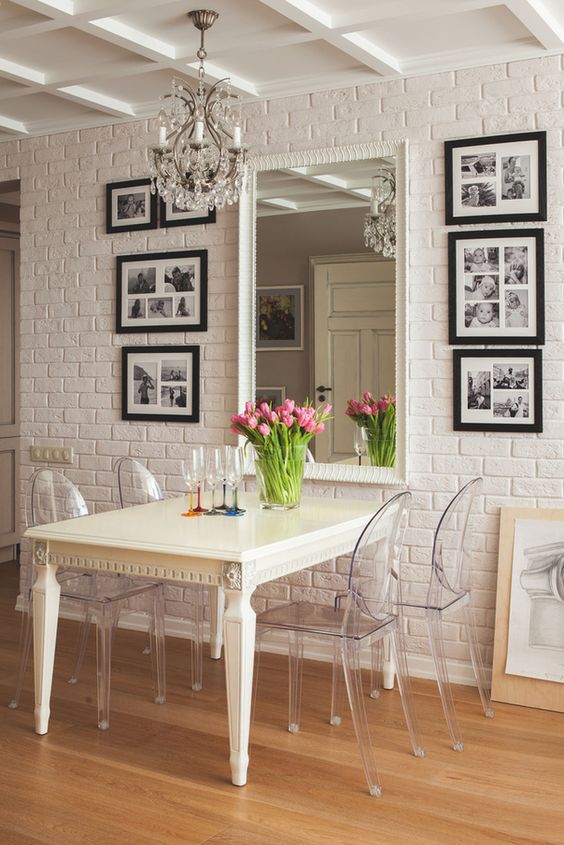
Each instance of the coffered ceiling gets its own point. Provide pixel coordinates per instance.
(75, 63)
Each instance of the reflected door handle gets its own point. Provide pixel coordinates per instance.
(323, 389)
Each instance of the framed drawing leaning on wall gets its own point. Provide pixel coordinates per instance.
(496, 286)
(528, 664)
(497, 390)
(497, 179)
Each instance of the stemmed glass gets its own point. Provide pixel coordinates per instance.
(234, 468)
(214, 474)
(193, 472)
(359, 442)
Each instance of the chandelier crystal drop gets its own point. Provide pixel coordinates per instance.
(200, 160)
(380, 221)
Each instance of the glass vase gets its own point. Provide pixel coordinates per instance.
(279, 478)
(381, 450)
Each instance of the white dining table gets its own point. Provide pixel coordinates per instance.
(233, 555)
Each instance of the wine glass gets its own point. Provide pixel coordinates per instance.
(234, 468)
(214, 474)
(193, 473)
(359, 442)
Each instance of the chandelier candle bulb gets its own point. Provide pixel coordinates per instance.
(199, 132)
(237, 137)
(162, 136)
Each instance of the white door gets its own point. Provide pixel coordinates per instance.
(354, 346)
(9, 421)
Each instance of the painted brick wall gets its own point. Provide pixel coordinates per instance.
(70, 355)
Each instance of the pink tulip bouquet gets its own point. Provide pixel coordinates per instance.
(279, 436)
(378, 419)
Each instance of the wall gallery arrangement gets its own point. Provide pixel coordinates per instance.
(158, 292)
(496, 279)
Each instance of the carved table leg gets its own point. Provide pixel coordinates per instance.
(46, 593)
(239, 634)
(217, 605)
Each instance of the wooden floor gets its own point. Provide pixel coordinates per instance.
(160, 774)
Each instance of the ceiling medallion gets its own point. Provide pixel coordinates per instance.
(199, 162)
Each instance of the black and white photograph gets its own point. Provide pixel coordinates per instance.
(162, 291)
(161, 383)
(516, 265)
(136, 308)
(486, 302)
(516, 178)
(479, 393)
(496, 179)
(180, 277)
(497, 390)
(513, 404)
(141, 280)
(478, 164)
(510, 376)
(130, 206)
(170, 215)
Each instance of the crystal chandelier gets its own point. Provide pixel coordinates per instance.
(199, 162)
(380, 221)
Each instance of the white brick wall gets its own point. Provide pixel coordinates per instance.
(71, 356)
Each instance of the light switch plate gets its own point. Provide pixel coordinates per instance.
(52, 454)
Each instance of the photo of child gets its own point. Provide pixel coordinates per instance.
(511, 405)
(479, 390)
(516, 309)
(481, 259)
(515, 179)
(481, 315)
(160, 307)
(516, 265)
(481, 287)
(478, 194)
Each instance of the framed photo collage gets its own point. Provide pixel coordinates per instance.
(496, 279)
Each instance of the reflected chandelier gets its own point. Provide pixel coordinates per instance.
(199, 162)
(380, 221)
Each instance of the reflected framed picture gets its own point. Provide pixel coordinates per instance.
(274, 396)
(280, 316)
(170, 215)
(130, 206)
(528, 659)
(496, 286)
(162, 292)
(161, 383)
(497, 390)
(496, 179)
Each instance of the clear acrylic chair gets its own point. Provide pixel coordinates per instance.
(368, 613)
(51, 497)
(449, 590)
(134, 485)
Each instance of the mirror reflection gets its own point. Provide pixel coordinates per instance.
(325, 292)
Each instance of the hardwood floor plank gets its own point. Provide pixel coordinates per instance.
(160, 776)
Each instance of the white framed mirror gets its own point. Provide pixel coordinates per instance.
(293, 198)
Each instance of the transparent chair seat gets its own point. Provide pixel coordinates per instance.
(363, 616)
(51, 497)
(417, 595)
(134, 484)
(323, 620)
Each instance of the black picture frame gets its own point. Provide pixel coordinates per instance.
(283, 329)
(168, 219)
(153, 303)
(172, 370)
(481, 186)
(520, 399)
(510, 287)
(118, 219)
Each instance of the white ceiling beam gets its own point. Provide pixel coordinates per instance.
(8, 124)
(320, 24)
(127, 36)
(21, 73)
(216, 73)
(539, 21)
(370, 18)
(101, 102)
